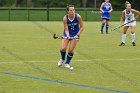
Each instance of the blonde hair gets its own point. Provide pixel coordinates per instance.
(127, 2)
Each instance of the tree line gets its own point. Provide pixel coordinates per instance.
(117, 4)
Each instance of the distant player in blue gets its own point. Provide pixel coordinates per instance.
(106, 9)
(73, 26)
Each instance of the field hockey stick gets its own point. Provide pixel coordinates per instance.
(57, 37)
(122, 25)
(61, 37)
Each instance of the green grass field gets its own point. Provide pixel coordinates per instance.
(29, 56)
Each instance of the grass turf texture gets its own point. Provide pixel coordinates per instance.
(28, 50)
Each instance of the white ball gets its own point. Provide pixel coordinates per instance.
(71, 68)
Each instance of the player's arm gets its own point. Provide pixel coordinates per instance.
(122, 17)
(111, 8)
(66, 26)
(101, 7)
(136, 12)
(80, 21)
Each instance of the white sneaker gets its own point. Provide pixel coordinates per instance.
(60, 62)
(67, 66)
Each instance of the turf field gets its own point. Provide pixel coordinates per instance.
(29, 56)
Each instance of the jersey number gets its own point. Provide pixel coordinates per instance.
(72, 27)
(128, 18)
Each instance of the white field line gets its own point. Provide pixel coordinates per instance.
(37, 61)
(1, 62)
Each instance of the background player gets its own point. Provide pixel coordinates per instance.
(128, 15)
(73, 26)
(106, 9)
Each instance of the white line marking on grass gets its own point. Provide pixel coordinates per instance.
(37, 61)
(121, 59)
(1, 62)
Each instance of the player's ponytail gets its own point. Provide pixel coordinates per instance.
(127, 2)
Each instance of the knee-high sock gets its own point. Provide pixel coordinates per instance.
(102, 26)
(69, 57)
(123, 38)
(107, 27)
(133, 37)
(63, 53)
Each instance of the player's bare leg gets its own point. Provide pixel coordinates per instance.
(63, 51)
(73, 44)
(102, 26)
(133, 35)
(107, 25)
(124, 36)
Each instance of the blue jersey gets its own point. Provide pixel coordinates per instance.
(73, 26)
(106, 8)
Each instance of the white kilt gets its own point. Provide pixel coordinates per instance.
(130, 24)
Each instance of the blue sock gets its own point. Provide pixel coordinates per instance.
(102, 27)
(106, 27)
(63, 54)
(69, 57)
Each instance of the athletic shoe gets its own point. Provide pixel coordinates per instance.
(60, 62)
(133, 44)
(67, 66)
(106, 32)
(101, 32)
(122, 44)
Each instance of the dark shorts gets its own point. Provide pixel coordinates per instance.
(105, 19)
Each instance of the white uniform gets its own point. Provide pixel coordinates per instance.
(129, 17)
